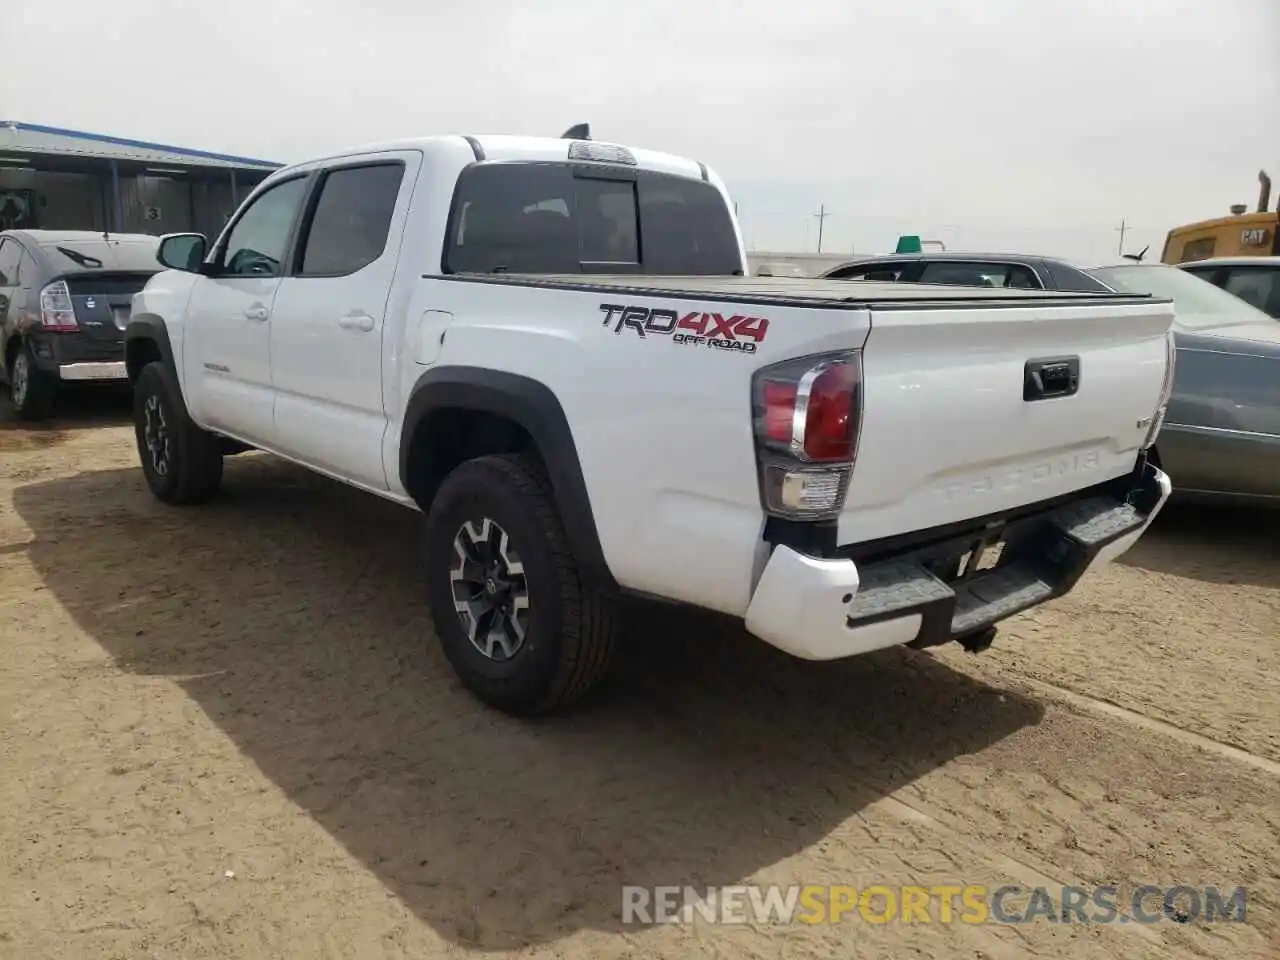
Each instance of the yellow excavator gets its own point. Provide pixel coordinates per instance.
(1242, 234)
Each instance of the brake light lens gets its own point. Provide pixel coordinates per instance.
(601, 152)
(1166, 391)
(57, 314)
(807, 416)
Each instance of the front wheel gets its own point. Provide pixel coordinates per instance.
(517, 622)
(181, 462)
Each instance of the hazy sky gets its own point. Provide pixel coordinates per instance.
(1013, 124)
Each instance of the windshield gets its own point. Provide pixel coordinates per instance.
(1197, 303)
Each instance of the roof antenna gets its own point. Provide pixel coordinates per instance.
(579, 131)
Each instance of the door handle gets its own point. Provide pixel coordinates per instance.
(356, 321)
(256, 312)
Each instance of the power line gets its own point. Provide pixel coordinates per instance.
(821, 216)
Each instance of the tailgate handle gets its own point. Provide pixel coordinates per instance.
(1050, 377)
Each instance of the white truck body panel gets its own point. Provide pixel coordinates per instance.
(321, 371)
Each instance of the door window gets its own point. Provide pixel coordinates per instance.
(1256, 286)
(256, 245)
(351, 220)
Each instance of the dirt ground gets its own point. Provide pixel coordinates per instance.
(228, 733)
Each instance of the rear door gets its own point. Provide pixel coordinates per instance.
(947, 434)
(327, 323)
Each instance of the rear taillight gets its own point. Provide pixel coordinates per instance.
(807, 414)
(57, 314)
(1166, 391)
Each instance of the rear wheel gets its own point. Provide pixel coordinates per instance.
(181, 462)
(517, 622)
(30, 387)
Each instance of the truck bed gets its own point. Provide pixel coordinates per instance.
(952, 427)
(797, 291)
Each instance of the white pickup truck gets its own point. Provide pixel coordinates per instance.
(549, 348)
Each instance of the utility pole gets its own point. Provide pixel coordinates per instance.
(821, 216)
(1122, 228)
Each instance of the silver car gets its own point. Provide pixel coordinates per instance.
(1252, 279)
(1221, 436)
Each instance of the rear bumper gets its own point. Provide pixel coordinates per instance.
(828, 608)
(78, 356)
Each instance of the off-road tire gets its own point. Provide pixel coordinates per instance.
(573, 626)
(193, 456)
(31, 389)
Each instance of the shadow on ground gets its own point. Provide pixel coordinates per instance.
(1233, 545)
(295, 605)
(76, 408)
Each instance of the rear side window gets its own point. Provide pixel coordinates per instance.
(558, 218)
(1071, 280)
(889, 272)
(10, 256)
(979, 274)
(27, 270)
(351, 219)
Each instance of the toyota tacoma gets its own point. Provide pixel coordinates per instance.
(549, 347)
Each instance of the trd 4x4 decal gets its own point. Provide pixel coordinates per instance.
(696, 329)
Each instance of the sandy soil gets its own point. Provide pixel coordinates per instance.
(227, 732)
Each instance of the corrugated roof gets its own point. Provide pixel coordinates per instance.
(33, 139)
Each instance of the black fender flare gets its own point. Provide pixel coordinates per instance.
(151, 327)
(534, 407)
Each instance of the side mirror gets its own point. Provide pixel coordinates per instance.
(182, 251)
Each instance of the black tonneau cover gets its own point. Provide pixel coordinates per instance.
(800, 291)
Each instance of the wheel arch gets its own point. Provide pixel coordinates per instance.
(456, 413)
(146, 340)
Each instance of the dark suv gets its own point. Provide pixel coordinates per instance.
(65, 298)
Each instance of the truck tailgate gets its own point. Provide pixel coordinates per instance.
(952, 431)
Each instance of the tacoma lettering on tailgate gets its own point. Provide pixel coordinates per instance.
(695, 329)
(1021, 476)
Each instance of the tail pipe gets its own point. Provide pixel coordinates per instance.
(1264, 191)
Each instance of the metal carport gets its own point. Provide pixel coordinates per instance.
(60, 179)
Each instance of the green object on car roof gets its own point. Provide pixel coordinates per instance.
(908, 244)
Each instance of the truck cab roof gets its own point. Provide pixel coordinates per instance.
(506, 147)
